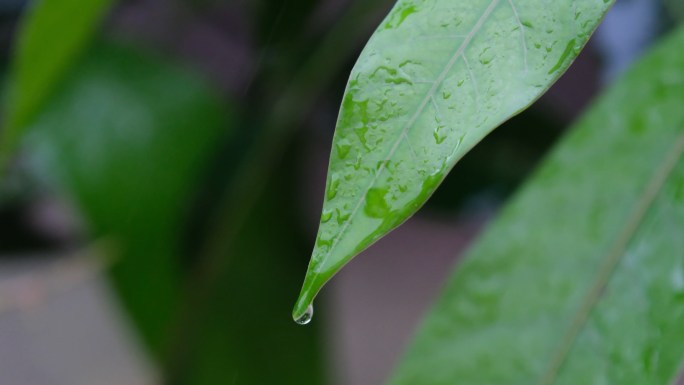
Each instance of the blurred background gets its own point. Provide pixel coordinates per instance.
(156, 225)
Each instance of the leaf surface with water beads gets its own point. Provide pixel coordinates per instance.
(580, 280)
(433, 80)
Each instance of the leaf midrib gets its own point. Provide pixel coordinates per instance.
(613, 258)
(438, 82)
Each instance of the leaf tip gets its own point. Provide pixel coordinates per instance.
(303, 308)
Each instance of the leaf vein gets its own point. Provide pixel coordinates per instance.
(473, 80)
(522, 32)
(438, 82)
(613, 259)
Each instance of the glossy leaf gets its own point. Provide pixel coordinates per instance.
(581, 278)
(434, 79)
(52, 35)
(124, 138)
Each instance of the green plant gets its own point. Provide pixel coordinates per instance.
(579, 280)
(412, 110)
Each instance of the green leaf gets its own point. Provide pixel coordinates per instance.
(434, 79)
(581, 278)
(125, 138)
(52, 35)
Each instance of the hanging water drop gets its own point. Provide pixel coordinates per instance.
(306, 317)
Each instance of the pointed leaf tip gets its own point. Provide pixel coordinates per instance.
(434, 79)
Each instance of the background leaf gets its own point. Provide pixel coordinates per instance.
(434, 79)
(125, 138)
(597, 294)
(52, 35)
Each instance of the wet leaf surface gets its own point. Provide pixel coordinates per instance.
(581, 278)
(434, 79)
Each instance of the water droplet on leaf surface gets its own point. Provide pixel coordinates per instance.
(376, 203)
(332, 189)
(343, 149)
(325, 216)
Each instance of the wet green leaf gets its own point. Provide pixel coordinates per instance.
(52, 35)
(581, 278)
(124, 138)
(434, 79)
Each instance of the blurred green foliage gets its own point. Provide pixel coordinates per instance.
(126, 137)
(130, 138)
(52, 35)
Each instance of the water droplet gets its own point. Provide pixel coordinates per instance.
(332, 189)
(577, 49)
(357, 164)
(343, 148)
(341, 218)
(486, 57)
(439, 139)
(389, 75)
(361, 133)
(376, 203)
(326, 216)
(324, 240)
(569, 49)
(306, 317)
(382, 163)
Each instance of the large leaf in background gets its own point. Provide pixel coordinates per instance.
(581, 279)
(52, 35)
(125, 138)
(434, 79)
